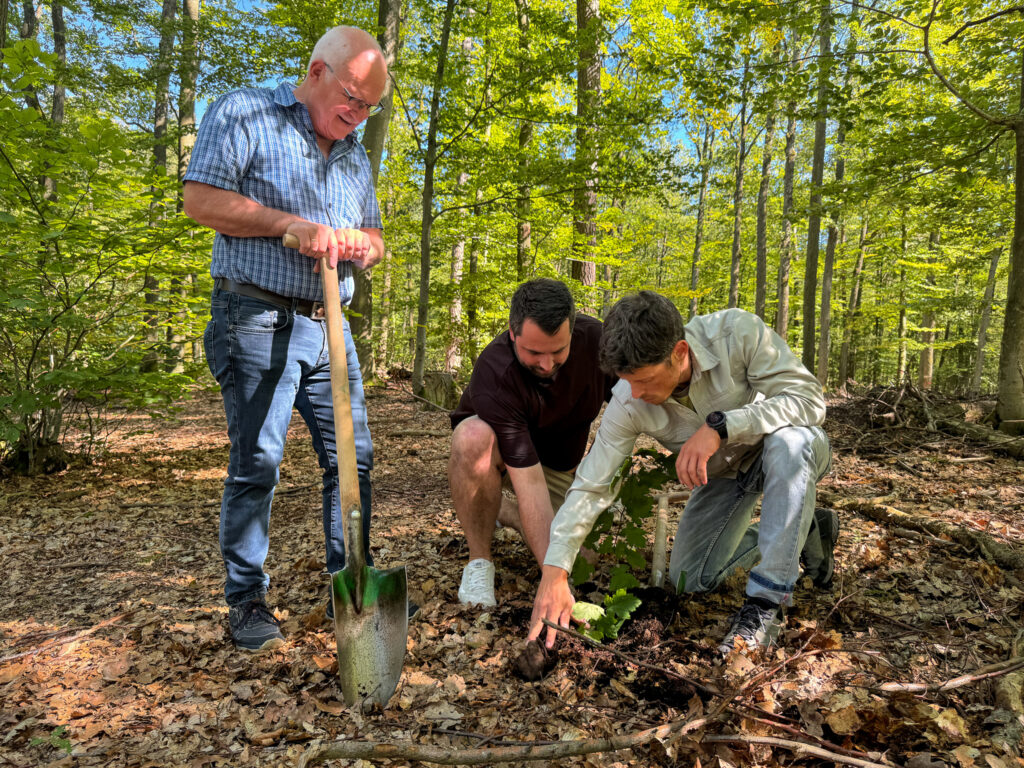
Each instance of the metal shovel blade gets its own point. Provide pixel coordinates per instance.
(371, 636)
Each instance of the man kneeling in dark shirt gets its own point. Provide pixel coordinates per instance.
(524, 421)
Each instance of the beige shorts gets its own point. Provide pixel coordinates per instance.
(558, 485)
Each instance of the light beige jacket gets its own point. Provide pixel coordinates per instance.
(740, 366)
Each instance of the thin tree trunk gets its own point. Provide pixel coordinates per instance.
(705, 157)
(834, 239)
(852, 311)
(817, 176)
(901, 329)
(737, 195)
(786, 248)
(382, 358)
(761, 289)
(926, 360)
(453, 352)
(588, 104)
(374, 136)
(524, 205)
(986, 315)
(3, 24)
(430, 162)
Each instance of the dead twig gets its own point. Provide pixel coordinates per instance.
(798, 747)
(986, 672)
(373, 750)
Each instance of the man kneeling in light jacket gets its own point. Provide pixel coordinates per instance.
(729, 396)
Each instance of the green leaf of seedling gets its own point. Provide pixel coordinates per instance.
(587, 613)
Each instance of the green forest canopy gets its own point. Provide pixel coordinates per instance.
(846, 172)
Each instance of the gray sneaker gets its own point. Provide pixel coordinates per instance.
(254, 627)
(759, 626)
(819, 554)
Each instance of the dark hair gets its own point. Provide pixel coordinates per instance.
(640, 330)
(547, 302)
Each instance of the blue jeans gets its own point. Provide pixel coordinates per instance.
(268, 359)
(715, 535)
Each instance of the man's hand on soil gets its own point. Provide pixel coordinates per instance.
(554, 602)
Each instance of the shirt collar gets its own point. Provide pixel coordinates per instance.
(701, 358)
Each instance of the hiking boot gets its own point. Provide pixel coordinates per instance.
(759, 622)
(478, 583)
(254, 627)
(824, 533)
(413, 609)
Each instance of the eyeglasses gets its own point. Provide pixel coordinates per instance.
(354, 101)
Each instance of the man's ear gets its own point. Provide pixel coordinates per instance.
(511, 333)
(680, 351)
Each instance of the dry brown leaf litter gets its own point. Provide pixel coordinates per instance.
(113, 630)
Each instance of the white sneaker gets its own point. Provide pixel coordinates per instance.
(478, 583)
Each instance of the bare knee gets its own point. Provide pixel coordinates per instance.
(474, 450)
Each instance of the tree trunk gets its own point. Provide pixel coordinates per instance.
(834, 239)
(383, 353)
(453, 352)
(786, 248)
(162, 77)
(737, 195)
(986, 315)
(705, 157)
(588, 104)
(926, 360)
(817, 176)
(3, 24)
(1010, 393)
(761, 289)
(901, 329)
(430, 161)
(852, 312)
(374, 136)
(524, 205)
(826, 304)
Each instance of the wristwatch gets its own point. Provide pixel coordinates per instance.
(716, 420)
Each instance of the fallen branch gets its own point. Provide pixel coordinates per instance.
(375, 750)
(995, 441)
(797, 747)
(66, 640)
(986, 672)
(995, 552)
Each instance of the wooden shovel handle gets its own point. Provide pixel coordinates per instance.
(344, 434)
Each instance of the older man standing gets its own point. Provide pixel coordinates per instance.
(270, 162)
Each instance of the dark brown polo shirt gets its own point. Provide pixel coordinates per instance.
(544, 421)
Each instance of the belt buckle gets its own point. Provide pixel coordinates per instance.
(317, 311)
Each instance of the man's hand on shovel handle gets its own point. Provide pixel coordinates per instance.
(318, 241)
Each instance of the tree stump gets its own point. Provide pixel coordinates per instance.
(440, 389)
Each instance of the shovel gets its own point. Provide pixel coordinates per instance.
(371, 606)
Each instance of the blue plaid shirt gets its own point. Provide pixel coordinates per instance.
(261, 144)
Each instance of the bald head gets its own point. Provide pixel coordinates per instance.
(341, 45)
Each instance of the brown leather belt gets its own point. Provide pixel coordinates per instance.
(307, 307)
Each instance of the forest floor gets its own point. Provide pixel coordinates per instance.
(114, 648)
